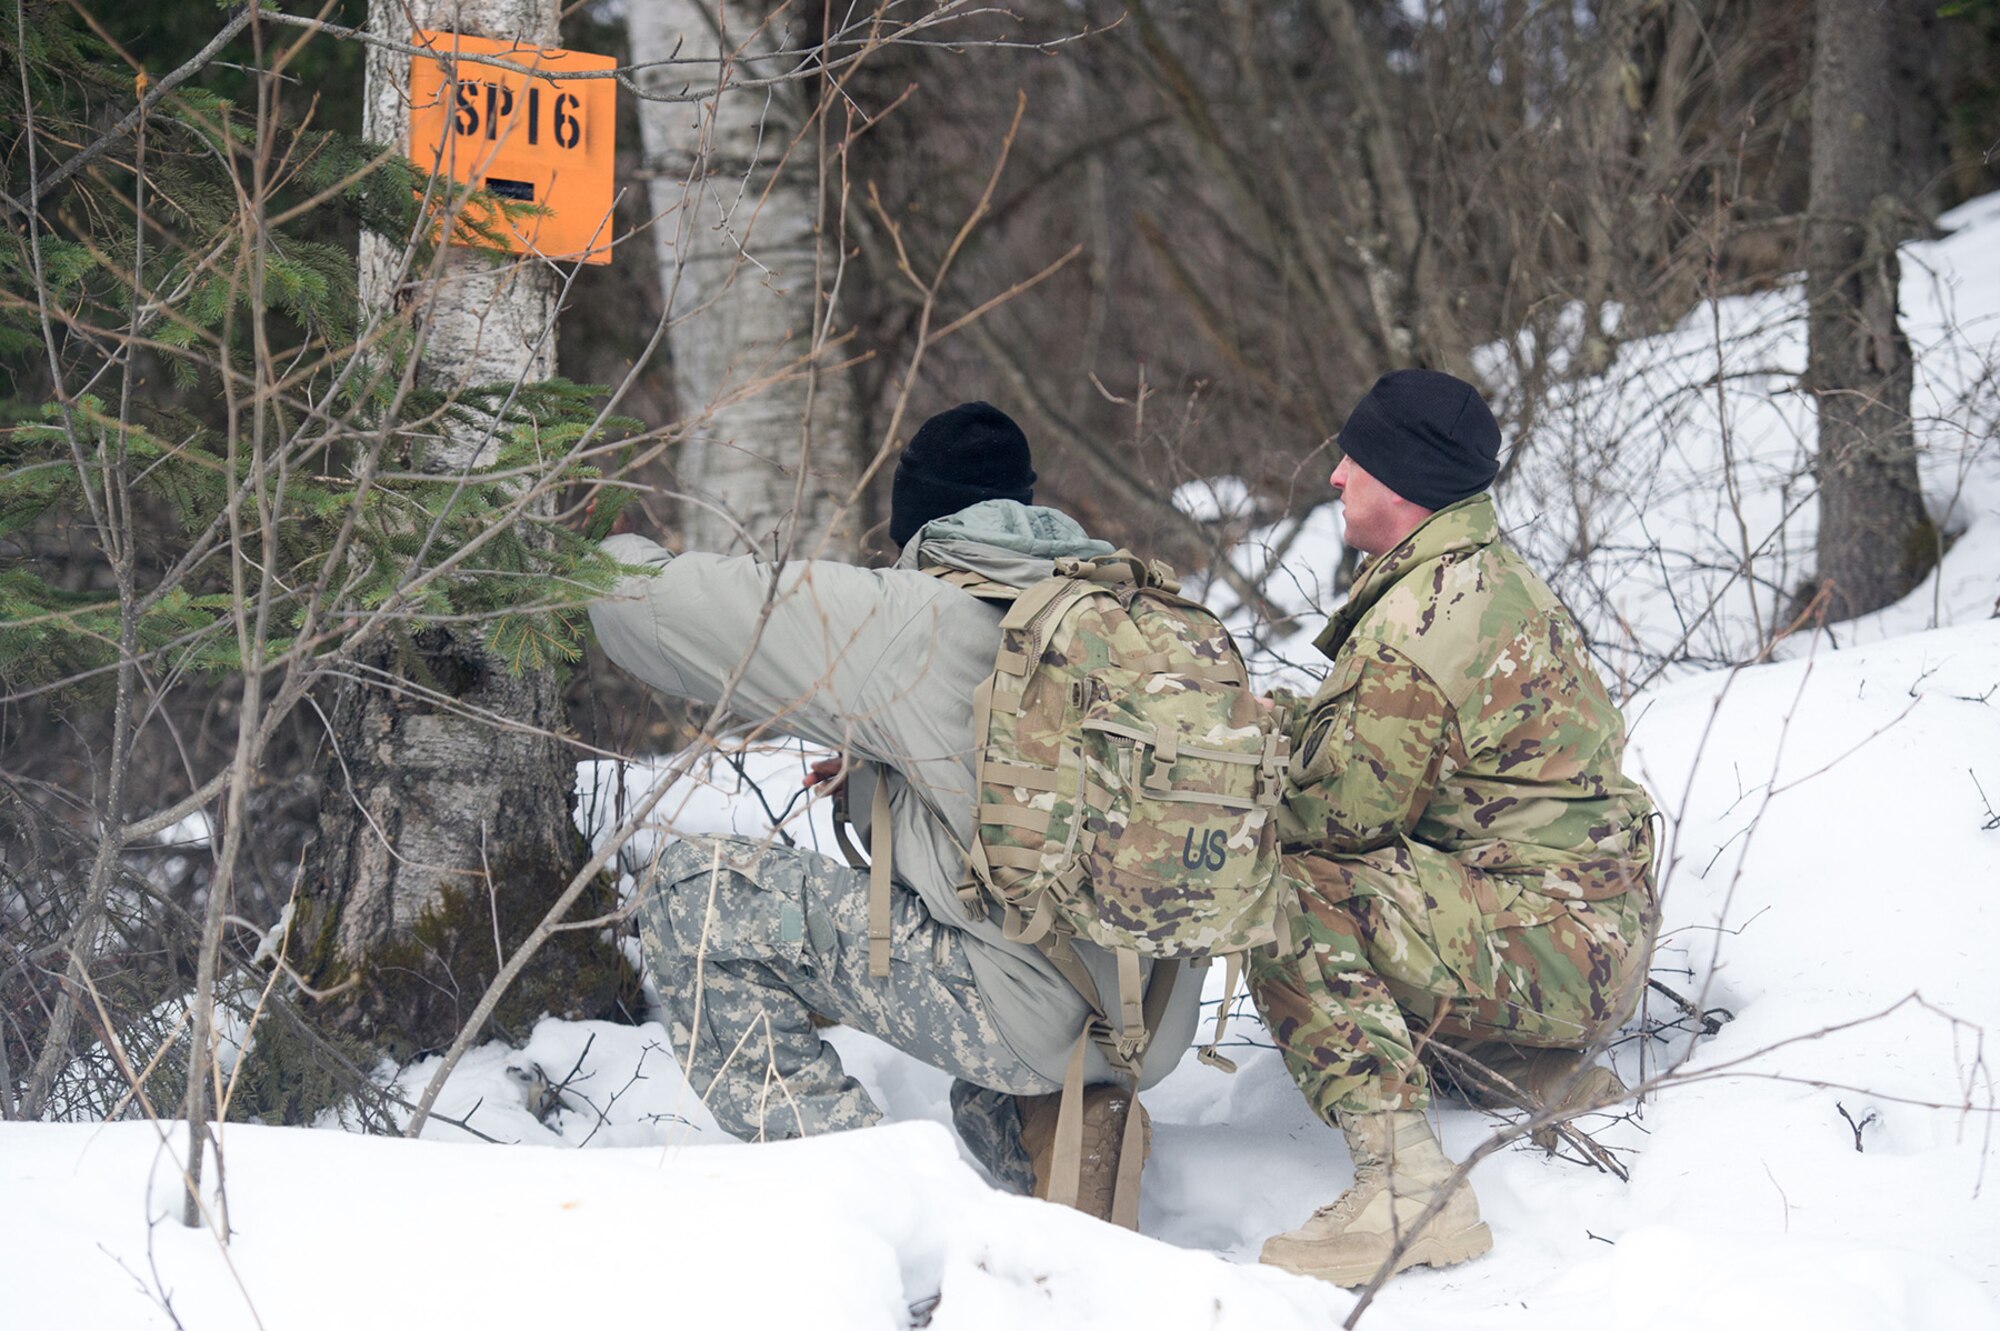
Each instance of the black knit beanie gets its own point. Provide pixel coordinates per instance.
(1425, 435)
(956, 459)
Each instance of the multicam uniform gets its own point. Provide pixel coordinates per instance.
(1473, 863)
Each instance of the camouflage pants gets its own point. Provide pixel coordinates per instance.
(745, 939)
(1380, 966)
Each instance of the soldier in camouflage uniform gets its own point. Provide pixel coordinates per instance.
(1474, 867)
(745, 938)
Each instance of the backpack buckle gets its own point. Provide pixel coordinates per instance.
(1123, 1054)
(1271, 770)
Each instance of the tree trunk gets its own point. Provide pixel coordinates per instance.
(748, 276)
(1875, 540)
(1414, 307)
(444, 835)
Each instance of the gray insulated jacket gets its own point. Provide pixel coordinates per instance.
(881, 664)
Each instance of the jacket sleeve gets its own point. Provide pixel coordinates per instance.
(1372, 746)
(823, 650)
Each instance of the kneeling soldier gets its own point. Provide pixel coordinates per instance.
(1475, 869)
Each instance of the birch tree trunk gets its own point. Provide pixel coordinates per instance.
(445, 834)
(749, 279)
(1876, 541)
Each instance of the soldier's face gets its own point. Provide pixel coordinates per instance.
(1374, 518)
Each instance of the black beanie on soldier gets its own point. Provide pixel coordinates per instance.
(956, 459)
(1425, 435)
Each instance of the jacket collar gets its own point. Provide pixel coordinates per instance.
(1468, 525)
(999, 539)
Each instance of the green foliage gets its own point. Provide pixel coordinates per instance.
(303, 465)
(523, 585)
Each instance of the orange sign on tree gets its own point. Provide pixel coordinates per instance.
(521, 136)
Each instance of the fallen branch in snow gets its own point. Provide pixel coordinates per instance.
(1870, 1117)
(604, 1113)
(1710, 1023)
(1554, 1127)
(1992, 819)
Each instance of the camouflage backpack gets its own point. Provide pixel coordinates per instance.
(1127, 774)
(1128, 784)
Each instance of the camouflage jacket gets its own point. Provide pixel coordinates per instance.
(1462, 719)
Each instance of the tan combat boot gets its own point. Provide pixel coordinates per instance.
(1398, 1170)
(1566, 1081)
(1104, 1110)
(1562, 1080)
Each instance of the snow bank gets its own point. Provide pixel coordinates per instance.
(333, 1230)
(1832, 858)
(1672, 500)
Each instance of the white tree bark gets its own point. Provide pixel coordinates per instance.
(748, 277)
(481, 321)
(445, 835)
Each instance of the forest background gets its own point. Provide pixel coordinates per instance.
(289, 534)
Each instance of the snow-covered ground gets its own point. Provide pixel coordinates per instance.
(1823, 1159)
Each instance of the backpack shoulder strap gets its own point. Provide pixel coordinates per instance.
(878, 880)
(841, 817)
(975, 584)
(1066, 1165)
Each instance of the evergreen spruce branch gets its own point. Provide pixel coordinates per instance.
(173, 631)
(117, 542)
(500, 414)
(317, 600)
(168, 632)
(482, 509)
(194, 312)
(204, 545)
(215, 300)
(321, 414)
(194, 298)
(39, 189)
(303, 267)
(39, 270)
(286, 389)
(346, 185)
(183, 473)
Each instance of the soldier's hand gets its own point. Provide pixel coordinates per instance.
(826, 770)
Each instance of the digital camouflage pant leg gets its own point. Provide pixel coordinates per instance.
(744, 940)
(1386, 957)
(989, 1122)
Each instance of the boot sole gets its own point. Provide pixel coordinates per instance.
(1431, 1250)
